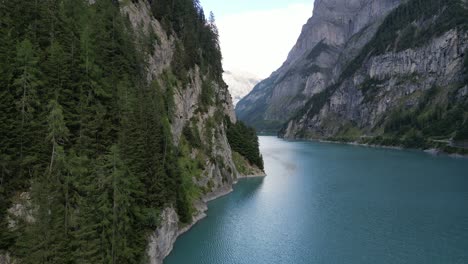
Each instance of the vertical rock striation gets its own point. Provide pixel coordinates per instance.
(408, 88)
(309, 67)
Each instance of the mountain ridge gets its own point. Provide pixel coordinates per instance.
(400, 80)
(389, 92)
(310, 63)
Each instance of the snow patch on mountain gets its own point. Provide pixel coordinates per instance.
(240, 83)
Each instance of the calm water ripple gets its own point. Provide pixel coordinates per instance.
(328, 203)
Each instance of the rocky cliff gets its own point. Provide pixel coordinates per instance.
(155, 134)
(376, 72)
(220, 172)
(383, 84)
(310, 64)
(406, 86)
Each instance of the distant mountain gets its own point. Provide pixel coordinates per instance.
(240, 84)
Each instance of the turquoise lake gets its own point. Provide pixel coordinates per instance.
(330, 203)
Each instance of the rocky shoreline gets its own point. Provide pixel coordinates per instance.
(163, 239)
(431, 151)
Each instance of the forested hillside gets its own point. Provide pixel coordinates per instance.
(89, 156)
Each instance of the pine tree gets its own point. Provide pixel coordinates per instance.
(27, 82)
(58, 132)
(114, 222)
(8, 179)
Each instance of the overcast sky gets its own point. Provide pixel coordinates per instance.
(256, 35)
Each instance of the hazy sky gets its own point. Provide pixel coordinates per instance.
(256, 35)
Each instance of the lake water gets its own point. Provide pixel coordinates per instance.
(329, 203)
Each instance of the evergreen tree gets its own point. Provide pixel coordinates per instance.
(27, 82)
(58, 132)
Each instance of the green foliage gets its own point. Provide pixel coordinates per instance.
(188, 192)
(199, 36)
(462, 134)
(207, 95)
(432, 119)
(432, 123)
(244, 140)
(242, 165)
(170, 83)
(192, 135)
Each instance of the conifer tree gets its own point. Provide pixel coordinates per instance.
(57, 130)
(26, 83)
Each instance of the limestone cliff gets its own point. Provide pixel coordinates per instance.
(309, 67)
(376, 72)
(407, 89)
(397, 77)
(220, 172)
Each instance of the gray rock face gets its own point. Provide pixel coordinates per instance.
(220, 172)
(335, 21)
(6, 259)
(400, 78)
(142, 21)
(163, 239)
(310, 64)
(21, 209)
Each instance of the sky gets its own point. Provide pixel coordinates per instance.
(257, 35)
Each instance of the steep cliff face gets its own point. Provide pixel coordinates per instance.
(383, 84)
(220, 172)
(406, 86)
(309, 67)
(187, 99)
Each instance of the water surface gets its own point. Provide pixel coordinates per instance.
(328, 203)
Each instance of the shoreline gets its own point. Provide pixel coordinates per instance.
(202, 205)
(430, 151)
(213, 196)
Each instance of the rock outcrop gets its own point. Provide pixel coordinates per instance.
(396, 78)
(376, 72)
(219, 172)
(411, 91)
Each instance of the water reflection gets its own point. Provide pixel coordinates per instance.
(330, 203)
